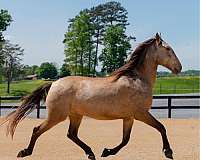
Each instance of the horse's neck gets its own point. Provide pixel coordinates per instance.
(147, 71)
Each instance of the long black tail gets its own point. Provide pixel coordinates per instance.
(29, 103)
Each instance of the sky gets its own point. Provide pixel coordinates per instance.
(39, 26)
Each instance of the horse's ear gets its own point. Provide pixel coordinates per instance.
(158, 39)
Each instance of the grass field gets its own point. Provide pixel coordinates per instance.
(20, 88)
(177, 85)
(164, 85)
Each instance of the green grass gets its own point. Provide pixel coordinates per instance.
(20, 88)
(177, 85)
(164, 85)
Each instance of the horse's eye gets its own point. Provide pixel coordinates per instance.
(167, 48)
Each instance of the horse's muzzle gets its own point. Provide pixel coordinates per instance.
(177, 70)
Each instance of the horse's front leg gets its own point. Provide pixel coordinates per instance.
(147, 118)
(127, 126)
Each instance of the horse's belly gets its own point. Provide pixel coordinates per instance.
(101, 115)
(102, 109)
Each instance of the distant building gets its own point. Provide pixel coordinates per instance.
(31, 77)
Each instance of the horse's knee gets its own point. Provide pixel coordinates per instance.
(35, 132)
(35, 129)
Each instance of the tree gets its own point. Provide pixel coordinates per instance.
(47, 70)
(64, 71)
(96, 18)
(115, 14)
(5, 20)
(104, 16)
(117, 45)
(85, 36)
(78, 42)
(29, 70)
(12, 60)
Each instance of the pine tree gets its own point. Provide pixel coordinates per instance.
(117, 45)
(86, 34)
(12, 58)
(79, 45)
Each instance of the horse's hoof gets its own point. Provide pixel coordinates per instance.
(106, 152)
(92, 157)
(24, 153)
(168, 153)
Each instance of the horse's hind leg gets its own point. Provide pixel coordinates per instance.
(147, 118)
(75, 122)
(127, 126)
(37, 131)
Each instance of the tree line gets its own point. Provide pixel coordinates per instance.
(96, 37)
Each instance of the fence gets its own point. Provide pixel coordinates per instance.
(169, 106)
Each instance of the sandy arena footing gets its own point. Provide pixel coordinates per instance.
(145, 142)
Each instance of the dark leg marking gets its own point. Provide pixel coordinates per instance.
(75, 122)
(147, 118)
(37, 131)
(127, 126)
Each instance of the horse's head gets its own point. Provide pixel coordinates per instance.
(165, 55)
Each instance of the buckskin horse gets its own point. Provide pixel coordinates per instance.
(126, 94)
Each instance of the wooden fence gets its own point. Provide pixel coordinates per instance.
(169, 106)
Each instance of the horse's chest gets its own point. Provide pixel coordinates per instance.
(142, 101)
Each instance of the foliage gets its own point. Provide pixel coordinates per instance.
(86, 34)
(117, 45)
(5, 20)
(78, 49)
(12, 60)
(191, 73)
(29, 70)
(183, 73)
(47, 71)
(64, 71)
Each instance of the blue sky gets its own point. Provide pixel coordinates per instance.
(39, 26)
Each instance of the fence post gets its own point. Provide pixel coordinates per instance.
(38, 110)
(169, 107)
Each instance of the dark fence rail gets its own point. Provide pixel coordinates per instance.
(169, 106)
